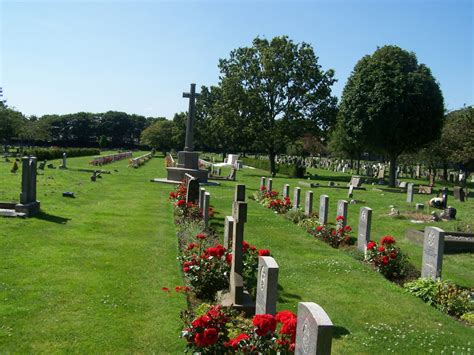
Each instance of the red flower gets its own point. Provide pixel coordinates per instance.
(182, 289)
(245, 245)
(210, 336)
(228, 258)
(387, 240)
(234, 343)
(265, 324)
(319, 228)
(385, 260)
(264, 252)
(381, 249)
(289, 328)
(393, 255)
(192, 246)
(217, 251)
(166, 289)
(347, 228)
(201, 236)
(339, 218)
(252, 248)
(371, 245)
(201, 322)
(180, 203)
(186, 269)
(284, 316)
(262, 188)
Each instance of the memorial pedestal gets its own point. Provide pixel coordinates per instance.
(188, 163)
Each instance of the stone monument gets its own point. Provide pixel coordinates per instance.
(188, 160)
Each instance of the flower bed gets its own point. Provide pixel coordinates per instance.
(387, 258)
(271, 200)
(335, 237)
(107, 159)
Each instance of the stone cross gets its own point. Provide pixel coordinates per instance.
(286, 190)
(410, 192)
(323, 209)
(236, 272)
(308, 205)
(267, 286)
(314, 330)
(202, 192)
(342, 211)
(296, 198)
(192, 95)
(269, 184)
(239, 194)
(262, 181)
(28, 180)
(433, 250)
(363, 236)
(205, 208)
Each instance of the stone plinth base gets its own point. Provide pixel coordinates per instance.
(29, 209)
(248, 305)
(177, 174)
(188, 160)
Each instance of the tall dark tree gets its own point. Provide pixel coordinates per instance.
(391, 104)
(281, 89)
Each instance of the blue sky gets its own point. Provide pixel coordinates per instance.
(138, 57)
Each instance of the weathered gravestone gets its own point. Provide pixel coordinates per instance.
(308, 204)
(202, 192)
(28, 203)
(410, 192)
(356, 181)
(228, 229)
(444, 195)
(350, 192)
(64, 164)
(403, 185)
(433, 250)
(236, 297)
(314, 330)
(269, 184)
(363, 236)
(267, 286)
(286, 191)
(323, 209)
(262, 181)
(342, 211)
(296, 198)
(192, 191)
(205, 208)
(458, 193)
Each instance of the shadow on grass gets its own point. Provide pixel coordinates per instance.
(50, 218)
(284, 296)
(339, 332)
(217, 223)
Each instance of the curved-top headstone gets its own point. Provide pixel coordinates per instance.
(314, 330)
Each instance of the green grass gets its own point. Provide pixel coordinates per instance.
(86, 275)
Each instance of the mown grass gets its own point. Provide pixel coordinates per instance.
(86, 275)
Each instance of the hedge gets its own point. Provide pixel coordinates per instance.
(286, 169)
(57, 153)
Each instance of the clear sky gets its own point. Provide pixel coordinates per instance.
(139, 56)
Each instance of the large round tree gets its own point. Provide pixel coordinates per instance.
(391, 104)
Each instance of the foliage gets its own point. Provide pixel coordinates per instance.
(335, 237)
(309, 222)
(391, 104)
(295, 215)
(210, 333)
(57, 153)
(387, 258)
(160, 136)
(444, 295)
(287, 169)
(468, 318)
(458, 132)
(281, 89)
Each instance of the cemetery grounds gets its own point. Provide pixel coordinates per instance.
(87, 274)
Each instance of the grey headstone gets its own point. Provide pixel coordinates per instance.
(342, 210)
(202, 192)
(459, 194)
(445, 197)
(286, 190)
(192, 192)
(355, 181)
(433, 250)
(296, 198)
(262, 181)
(228, 231)
(365, 220)
(64, 166)
(314, 330)
(239, 194)
(308, 204)
(239, 214)
(205, 208)
(267, 286)
(323, 209)
(269, 184)
(410, 192)
(420, 207)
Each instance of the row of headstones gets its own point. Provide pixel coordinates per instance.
(314, 328)
(106, 159)
(136, 162)
(196, 194)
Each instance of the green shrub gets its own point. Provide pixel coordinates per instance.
(57, 153)
(426, 289)
(286, 169)
(295, 215)
(468, 318)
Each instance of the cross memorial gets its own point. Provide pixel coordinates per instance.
(192, 95)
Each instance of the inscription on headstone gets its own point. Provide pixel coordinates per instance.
(433, 250)
(314, 330)
(267, 286)
(365, 220)
(342, 211)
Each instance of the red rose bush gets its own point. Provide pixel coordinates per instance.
(387, 258)
(333, 236)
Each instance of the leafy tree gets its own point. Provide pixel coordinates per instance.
(279, 91)
(159, 135)
(11, 122)
(458, 134)
(103, 142)
(391, 104)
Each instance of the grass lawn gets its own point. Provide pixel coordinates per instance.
(86, 275)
